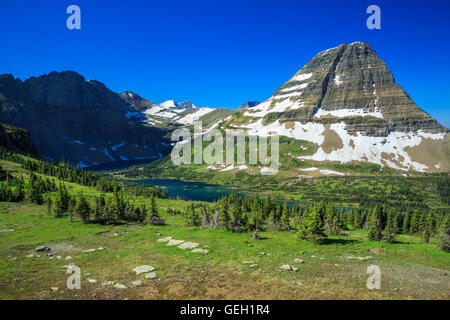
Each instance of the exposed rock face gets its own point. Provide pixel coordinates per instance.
(349, 93)
(81, 121)
(351, 84)
(138, 103)
(17, 139)
(249, 104)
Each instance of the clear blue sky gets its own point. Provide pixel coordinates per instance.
(222, 53)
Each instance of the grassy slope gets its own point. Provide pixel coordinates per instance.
(413, 267)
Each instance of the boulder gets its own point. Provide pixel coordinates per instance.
(151, 275)
(165, 239)
(286, 267)
(42, 248)
(198, 250)
(174, 242)
(7, 230)
(143, 269)
(137, 283)
(188, 245)
(107, 283)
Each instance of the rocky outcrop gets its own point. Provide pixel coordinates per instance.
(249, 104)
(345, 102)
(350, 84)
(16, 139)
(81, 121)
(136, 101)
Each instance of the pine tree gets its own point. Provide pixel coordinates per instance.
(444, 234)
(153, 208)
(49, 205)
(375, 224)
(332, 220)
(256, 222)
(224, 215)
(312, 227)
(429, 227)
(237, 222)
(415, 222)
(285, 218)
(36, 192)
(390, 232)
(83, 209)
(357, 219)
(406, 223)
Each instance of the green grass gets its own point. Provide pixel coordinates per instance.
(417, 269)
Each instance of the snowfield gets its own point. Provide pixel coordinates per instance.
(385, 151)
(341, 113)
(190, 118)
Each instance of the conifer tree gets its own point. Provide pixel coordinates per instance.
(390, 232)
(83, 209)
(444, 234)
(49, 204)
(415, 222)
(285, 218)
(153, 208)
(312, 227)
(375, 224)
(406, 223)
(237, 222)
(429, 227)
(224, 215)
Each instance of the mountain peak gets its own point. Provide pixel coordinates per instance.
(172, 104)
(346, 97)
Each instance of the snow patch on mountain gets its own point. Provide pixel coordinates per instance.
(297, 87)
(190, 118)
(375, 149)
(312, 132)
(341, 113)
(302, 77)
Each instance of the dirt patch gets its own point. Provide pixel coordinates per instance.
(431, 153)
(289, 125)
(332, 140)
(352, 143)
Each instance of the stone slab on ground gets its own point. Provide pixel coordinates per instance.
(143, 269)
(151, 275)
(188, 245)
(198, 250)
(174, 242)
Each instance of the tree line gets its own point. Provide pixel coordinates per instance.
(318, 220)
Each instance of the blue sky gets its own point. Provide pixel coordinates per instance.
(222, 53)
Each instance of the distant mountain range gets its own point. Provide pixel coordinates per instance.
(81, 121)
(343, 106)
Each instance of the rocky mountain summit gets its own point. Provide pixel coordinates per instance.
(81, 121)
(345, 102)
(249, 104)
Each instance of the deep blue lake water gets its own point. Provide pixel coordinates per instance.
(196, 191)
(200, 191)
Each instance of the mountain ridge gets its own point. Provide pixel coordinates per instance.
(344, 104)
